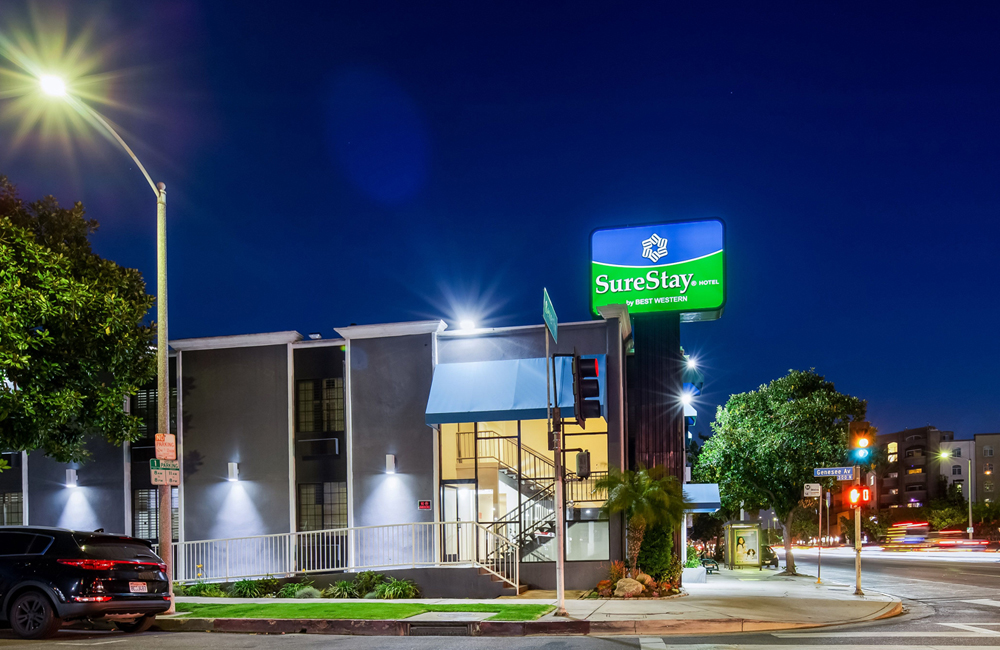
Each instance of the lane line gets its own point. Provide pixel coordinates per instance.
(974, 628)
(652, 643)
(984, 601)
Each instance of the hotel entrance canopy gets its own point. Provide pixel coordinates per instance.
(513, 389)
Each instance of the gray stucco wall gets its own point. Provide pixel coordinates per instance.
(235, 404)
(390, 380)
(97, 502)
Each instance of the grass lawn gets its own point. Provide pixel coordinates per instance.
(359, 610)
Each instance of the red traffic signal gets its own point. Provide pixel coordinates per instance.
(859, 496)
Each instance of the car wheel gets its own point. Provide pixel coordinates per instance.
(140, 624)
(32, 616)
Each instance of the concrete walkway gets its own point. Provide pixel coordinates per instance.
(731, 601)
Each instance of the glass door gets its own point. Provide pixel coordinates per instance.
(458, 500)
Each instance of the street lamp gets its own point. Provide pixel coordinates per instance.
(55, 86)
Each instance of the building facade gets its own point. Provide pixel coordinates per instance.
(389, 430)
(958, 463)
(911, 477)
(987, 448)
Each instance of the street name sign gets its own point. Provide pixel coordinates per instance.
(549, 315)
(841, 473)
(164, 472)
(166, 446)
(812, 490)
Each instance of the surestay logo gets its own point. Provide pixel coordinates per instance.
(650, 282)
(654, 248)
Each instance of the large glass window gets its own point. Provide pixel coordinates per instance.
(146, 513)
(143, 406)
(320, 405)
(322, 506)
(11, 509)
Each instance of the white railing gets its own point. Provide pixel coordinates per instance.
(453, 543)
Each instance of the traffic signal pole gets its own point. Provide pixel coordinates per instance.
(560, 539)
(857, 538)
(819, 550)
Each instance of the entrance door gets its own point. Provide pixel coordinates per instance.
(458, 501)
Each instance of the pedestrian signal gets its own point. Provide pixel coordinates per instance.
(859, 496)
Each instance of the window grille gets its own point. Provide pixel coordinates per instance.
(322, 506)
(987, 451)
(321, 406)
(956, 470)
(11, 509)
(146, 513)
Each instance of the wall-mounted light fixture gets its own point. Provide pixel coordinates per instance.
(71, 478)
(234, 471)
(390, 463)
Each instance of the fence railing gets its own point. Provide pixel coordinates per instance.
(348, 549)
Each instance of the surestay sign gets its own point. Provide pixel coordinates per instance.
(675, 266)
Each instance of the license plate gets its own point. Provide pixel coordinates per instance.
(137, 587)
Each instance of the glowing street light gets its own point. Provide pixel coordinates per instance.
(692, 363)
(467, 325)
(686, 398)
(52, 85)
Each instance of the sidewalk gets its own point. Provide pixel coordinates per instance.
(731, 601)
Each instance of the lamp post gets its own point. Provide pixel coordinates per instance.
(946, 454)
(56, 87)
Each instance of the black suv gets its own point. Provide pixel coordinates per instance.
(52, 575)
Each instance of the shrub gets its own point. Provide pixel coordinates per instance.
(394, 589)
(616, 572)
(268, 586)
(693, 561)
(366, 582)
(292, 589)
(308, 592)
(672, 575)
(341, 589)
(657, 550)
(245, 589)
(179, 589)
(204, 590)
(605, 588)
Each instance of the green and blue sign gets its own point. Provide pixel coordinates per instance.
(665, 267)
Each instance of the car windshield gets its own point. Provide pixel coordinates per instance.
(116, 549)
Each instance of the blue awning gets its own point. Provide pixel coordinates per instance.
(483, 391)
(703, 497)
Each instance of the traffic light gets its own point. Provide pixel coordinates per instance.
(586, 389)
(859, 496)
(862, 442)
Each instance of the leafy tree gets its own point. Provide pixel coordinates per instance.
(73, 344)
(766, 443)
(648, 497)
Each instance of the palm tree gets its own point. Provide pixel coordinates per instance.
(647, 497)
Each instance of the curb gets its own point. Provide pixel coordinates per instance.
(358, 627)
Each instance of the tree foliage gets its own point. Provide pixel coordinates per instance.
(766, 443)
(73, 344)
(648, 497)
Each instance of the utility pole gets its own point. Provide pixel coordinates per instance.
(555, 430)
(163, 381)
(819, 531)
(969, 496)
(857, 538)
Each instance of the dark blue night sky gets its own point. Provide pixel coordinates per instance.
(364, 162)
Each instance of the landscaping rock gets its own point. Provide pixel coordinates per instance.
(628, 588)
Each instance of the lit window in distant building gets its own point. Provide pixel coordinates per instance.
(893, 490)
(11, 508)
(959, 485)
(916, 487)
(322, 506)
(893, 448)
(987, 486)
(894, 505)
(956, 470)
(914, 504)
(987, 468)
(956, 452)
(321, 405)
(987, 452)
(892, 475)
(915, 470)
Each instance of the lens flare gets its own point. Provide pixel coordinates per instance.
(52, 85)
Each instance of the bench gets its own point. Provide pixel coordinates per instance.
(710, 565)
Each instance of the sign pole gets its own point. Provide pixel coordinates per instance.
(551, 328)
(819, 539)
(857, 539)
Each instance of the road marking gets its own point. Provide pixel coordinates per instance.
(652, 643)
(91, 642)
(984, 601)
(878, 634)
(974, 628)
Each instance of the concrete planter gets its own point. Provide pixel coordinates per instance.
(698, 574)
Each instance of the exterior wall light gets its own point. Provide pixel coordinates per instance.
(234, 471)
(71, 481)
(390, 463)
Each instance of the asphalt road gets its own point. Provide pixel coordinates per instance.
(952, 601)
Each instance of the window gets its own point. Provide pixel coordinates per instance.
(956, 470)
(892, 458)
(914, 504)
(959, 485)
(892, 475)
(916, 487)
(987, 468)
(143, 406)
(11, 509)
(23, 543)
(146, 513)
(915, 470)
(322, 506)
(893, 448)
(987, 452)
(894, 491)
(956, 452)
(321, 405)
(987, 486)
(911, 453)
